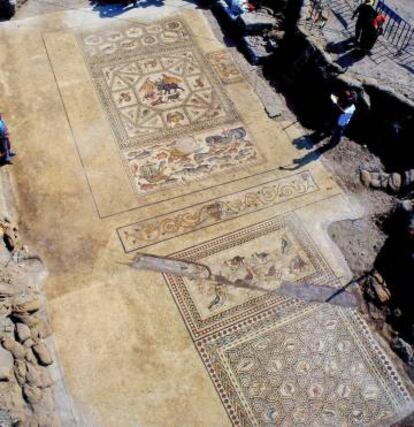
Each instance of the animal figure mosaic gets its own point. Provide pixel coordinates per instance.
(163, 90)
(161, 95)
(184, 160)
(254, 199)
(255, 269)
(225, 67)
(153, 95)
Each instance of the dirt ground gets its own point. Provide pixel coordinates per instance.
(360, 240)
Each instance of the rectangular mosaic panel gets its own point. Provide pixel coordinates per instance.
(168, 108)
(315, 367)
(215, 211)
(191, 158)
(256, 259)
(153, 89)
(225, 67)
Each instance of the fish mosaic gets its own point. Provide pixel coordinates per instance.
(187, 159)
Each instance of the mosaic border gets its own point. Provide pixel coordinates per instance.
(173, 224)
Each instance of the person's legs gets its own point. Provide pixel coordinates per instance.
(6, 151)
(3, 150)
(358, 31)
(335, 139)
(9, 150)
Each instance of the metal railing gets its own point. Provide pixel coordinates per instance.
(396, 30)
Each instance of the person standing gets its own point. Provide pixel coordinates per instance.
(366, 13)
(5, 149)
(346, 106)
(372, 32)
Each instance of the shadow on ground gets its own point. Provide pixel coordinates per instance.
(109, 9)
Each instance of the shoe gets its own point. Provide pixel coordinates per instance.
(11, 154)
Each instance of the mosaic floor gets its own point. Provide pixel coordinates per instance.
(160, 145)
(274, 361)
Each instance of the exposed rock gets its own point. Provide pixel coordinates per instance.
(255, 21)
(45, 405)
(29, 343)
(34, 422)
(380, 288)
(256, 48)
(25, 381)
(42, 353)
(7, 290)
(10, 235)
(29, 356)
(6, 365)
(15, 348)
(393, 182)
(381, 180)
(27, 305)
(275, 34)
(5, 308)
(20, 371)
(32, 394)
(22, 332)
(33, 376)
(45, 378)
(404, 350)
(41, 330)
(38, 376)
(11, 401)
(27, 319)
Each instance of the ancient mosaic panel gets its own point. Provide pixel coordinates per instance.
(137, 37)
(169, 111)
(316, 367)
(186, 159)
(276, 361)
(225, 67)
(196, 217)
(155, 90)
(256, 259)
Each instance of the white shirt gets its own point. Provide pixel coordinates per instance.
(346, 116)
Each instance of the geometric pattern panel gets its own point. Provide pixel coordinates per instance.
(313, 367)
(138, 37)
(167, 226)
(156, 90)
(163, 92)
